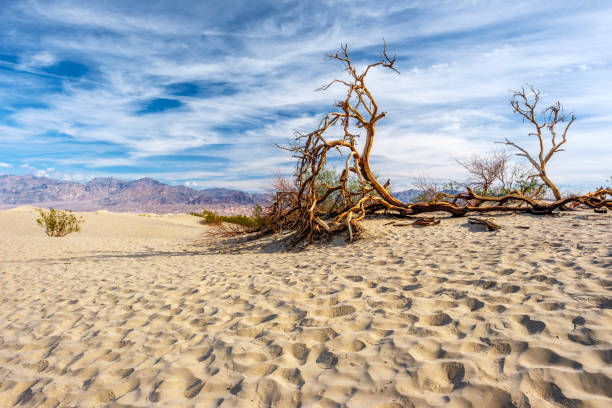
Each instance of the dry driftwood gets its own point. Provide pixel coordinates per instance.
(425, 222)
(489, 223)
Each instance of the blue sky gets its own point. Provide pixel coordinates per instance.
(198, 92)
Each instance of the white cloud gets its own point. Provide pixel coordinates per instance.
(41, 173)
(458, 62)
(5, 165)
(41, 59)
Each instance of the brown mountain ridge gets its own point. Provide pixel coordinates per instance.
(145, 194)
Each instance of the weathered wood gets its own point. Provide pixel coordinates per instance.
(489, 223)
(524, 103)
(425, 222)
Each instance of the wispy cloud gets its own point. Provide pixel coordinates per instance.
(190, 91)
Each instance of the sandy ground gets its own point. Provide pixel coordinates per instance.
(148, 311)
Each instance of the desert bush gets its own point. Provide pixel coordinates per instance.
(326, 179)
(430, 190)
(244, 223)
(485, 170)
(58, 223)
(496, 175)
(519, 178)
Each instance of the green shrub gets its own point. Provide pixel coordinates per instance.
(431, 191)
(250, 223)
(331, 177)
(58, 223)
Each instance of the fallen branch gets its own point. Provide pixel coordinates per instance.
(425, 222)
(489, 223)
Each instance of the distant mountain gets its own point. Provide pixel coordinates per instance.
(145, 194)
(406, 196)
(142, 195)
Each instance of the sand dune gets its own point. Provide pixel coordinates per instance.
(142, 311)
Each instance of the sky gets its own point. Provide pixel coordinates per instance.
(200, 92)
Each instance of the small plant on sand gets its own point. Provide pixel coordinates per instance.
(234, 223)
(58, 223)
(431, 191)
(496, 175)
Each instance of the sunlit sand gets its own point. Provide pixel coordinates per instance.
(155, 310)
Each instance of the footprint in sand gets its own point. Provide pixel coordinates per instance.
(473, 304)
(258, 369)
(327, 359)
(194, 388)
(415, 286)
(583, 336)
(440, 377)
(292, 376)
(106, 396)
(437, 319)
(543, 357)
(300, 352)
(547, 391)
(336, 311)
(320, 335)
(353, 346)
(268, 392)
(529, 325)
(487, 396)
(510, 289)
(427, 349)
(42, 365)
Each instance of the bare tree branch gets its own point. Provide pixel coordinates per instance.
(524, 103)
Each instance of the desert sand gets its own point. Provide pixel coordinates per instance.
(155, 311)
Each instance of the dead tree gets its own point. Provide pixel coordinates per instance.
(305, 208)
(357, 114)
(494, 174)
(524, 103)
(485, 170)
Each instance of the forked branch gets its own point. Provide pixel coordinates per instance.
(524, 103)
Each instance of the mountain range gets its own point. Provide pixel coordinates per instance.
(142, 195)
(145, 194)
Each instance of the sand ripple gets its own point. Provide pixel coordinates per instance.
(437, 316)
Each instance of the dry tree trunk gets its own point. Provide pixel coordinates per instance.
(305, 208)
(357, 115)
(526, 106)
